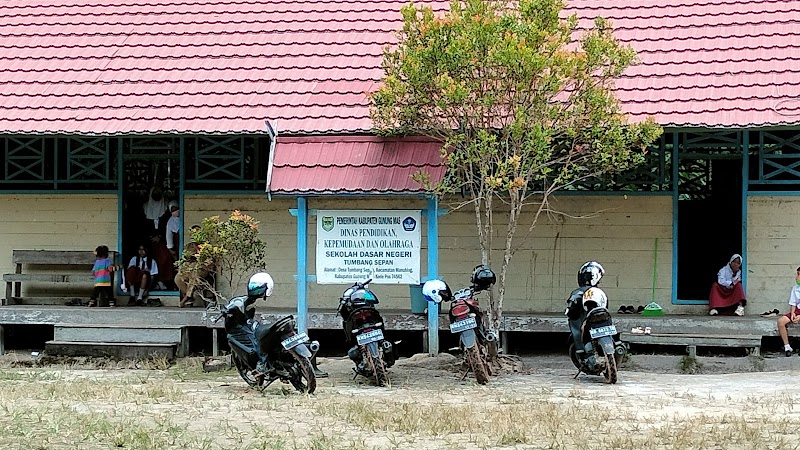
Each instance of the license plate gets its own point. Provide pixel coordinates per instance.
(463, 325)
(609, 330)
(294, 341)
(369, 336)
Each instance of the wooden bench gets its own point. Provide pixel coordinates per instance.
(74, 266)
(692, 341)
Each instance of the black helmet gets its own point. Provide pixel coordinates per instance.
(483, 278)
(590, 274)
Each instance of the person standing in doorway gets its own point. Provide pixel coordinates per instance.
(727, 293)
(173, 229)
(155, 206)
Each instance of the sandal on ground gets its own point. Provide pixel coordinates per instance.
(713, 312)
(91, 303)
(74, 302)
(622, 310)
(773, 313)
(112, 303)
(154, 302)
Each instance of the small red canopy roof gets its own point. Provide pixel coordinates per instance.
(357, 165)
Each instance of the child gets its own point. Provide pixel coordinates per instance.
(140, 272)
(102, 277)
(793, 316)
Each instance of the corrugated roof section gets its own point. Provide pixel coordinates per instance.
(206, 66)
(355, 165)
(707, 63)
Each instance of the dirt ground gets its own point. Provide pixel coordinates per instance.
(727, 403)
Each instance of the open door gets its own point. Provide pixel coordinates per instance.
(709, 219)
(150, 181)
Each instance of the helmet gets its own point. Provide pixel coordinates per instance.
(483, 278)
(590, 274)
(360, 295)
(437, 291)
(594, 297)
(260, 285)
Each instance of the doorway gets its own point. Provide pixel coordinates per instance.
(150, 181)
(709, 220)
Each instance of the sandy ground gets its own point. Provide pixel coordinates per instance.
(740, 403)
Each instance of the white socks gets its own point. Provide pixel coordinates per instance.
(787, 348)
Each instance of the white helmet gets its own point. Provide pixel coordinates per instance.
(590, 273)
(260, 285)
(437, 291)
(594, 297)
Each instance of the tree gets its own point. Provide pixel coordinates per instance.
(523, 103)
(231, 249)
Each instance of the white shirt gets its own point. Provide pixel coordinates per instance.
(726, 277)
(143, 264)
(173, 226)
(794, 295)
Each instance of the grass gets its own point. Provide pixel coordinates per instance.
(690, 366)
(183, 407)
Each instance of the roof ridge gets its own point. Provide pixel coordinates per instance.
(220, 2)
(638, 6)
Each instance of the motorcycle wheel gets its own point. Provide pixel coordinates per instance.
(573, 355)
(246, 373)
(477, 364)
(376, 366)
(305, 371)
(610, 373)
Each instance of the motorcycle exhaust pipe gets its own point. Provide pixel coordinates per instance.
(314, 346)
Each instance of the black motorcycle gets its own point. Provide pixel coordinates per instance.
(477, 344)
(263, 354)
(372, 353)
(601, 350)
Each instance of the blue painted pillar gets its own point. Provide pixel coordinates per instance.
(302, 272)
(433, 273)
(745, 187)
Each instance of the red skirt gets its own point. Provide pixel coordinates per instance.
(724, 298)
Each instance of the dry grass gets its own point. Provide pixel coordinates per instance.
(183, 408)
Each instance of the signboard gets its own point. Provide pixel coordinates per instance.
(354, 245)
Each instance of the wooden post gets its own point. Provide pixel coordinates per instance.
(214, 342)
(692, 349)
(425, 341)
(504, 341)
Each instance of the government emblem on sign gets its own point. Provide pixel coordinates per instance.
(327, 223)
(409, 224)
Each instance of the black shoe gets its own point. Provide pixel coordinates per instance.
(630, 310)
(131, 301)
(639, 309)
(622, 310)
(788, 352)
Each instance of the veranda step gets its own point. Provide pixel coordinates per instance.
(119, 333)
(116, 350)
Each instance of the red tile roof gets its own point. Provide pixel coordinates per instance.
(226, 66)
(323, 164)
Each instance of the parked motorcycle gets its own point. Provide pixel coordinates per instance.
(478, 345)
(261, 353)
(594, 345)
(372, 354)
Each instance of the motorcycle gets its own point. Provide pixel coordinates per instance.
(263, 354)
(372, 353)
(602, 351)
(476, 343)
(466, 319)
